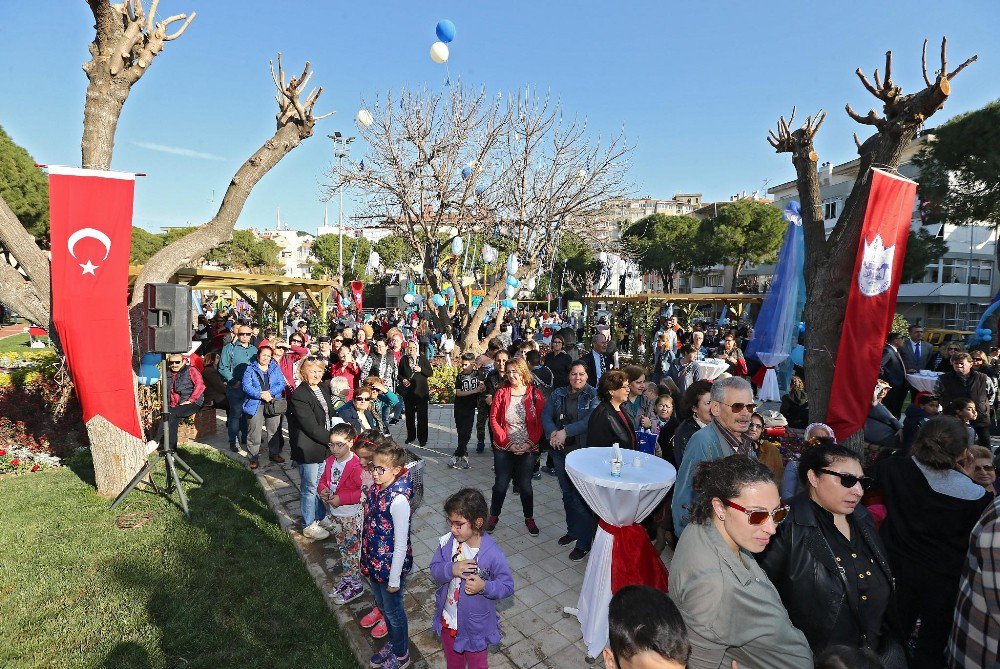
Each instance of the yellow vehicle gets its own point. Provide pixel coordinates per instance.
(938, 336)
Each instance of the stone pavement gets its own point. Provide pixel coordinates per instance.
(536, 633)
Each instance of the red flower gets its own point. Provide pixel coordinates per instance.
(16, 462)
(35, 468)
(3, 452)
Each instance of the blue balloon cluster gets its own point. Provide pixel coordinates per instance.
(513, 281)
(149, 369)
(507, 304)
(445, 31)
(985, 334)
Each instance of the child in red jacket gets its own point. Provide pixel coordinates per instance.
(340, 488)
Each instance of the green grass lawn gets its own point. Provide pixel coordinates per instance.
(18, 343)
(225, 589)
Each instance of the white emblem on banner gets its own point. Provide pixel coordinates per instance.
(91, 233)
(876, 268)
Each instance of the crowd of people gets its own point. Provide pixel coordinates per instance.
(816, 554)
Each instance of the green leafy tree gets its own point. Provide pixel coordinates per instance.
(922, 249)
(960, 169)
(577, 267)
(24, 188)
(245, 252)
(667, 246)
(394, 252)
(745, 231)
(326, 250)
(144, 245)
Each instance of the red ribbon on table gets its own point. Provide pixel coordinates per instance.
(633, 559)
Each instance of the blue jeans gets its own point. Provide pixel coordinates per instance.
(391, 606)
(313, 508)
(387, 408)
(236, 422)
(580, 521)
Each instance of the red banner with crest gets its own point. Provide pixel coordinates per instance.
(872, 300)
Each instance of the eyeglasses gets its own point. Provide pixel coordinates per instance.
(737, 407)
(978, 361)
(850, 480)
(984, 468)
(362, 399)
(341, 444)
(378, 470)
(760, 516)
(245, 334)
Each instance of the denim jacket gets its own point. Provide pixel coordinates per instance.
(478, 622)
(556, 407)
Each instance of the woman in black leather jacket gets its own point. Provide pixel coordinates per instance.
(828, 562)
(609, 423)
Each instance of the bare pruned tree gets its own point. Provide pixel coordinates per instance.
(455, 163)
(830, 259)
(429, 170)
(126, 41)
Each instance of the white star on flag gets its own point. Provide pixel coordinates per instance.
(89, 267)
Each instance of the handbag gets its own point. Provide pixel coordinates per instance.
(277, 406)
(891, 652)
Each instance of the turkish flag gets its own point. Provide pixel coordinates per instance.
(872, 300)
(90, 215)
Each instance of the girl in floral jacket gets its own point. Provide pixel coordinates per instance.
(386, 554)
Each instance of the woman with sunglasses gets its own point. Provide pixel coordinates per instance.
(731, 609)
(358, 412)
(828, 562)
(931, 508)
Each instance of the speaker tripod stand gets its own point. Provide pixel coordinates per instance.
(164, 453)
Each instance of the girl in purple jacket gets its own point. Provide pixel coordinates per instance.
(473, 574)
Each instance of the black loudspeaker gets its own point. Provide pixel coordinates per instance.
(168, 317)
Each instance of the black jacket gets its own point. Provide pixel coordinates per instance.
(802, 567)
(975, 386)
(417, 376)
(350, 414)
(306, 427)
(559, 364)
(606, 427)
(591, 365)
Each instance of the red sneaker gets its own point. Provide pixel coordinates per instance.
(532, 528)
(380, 631)
(372, 618)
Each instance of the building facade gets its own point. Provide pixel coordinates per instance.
(953, 292)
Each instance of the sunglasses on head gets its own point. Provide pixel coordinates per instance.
(760, 516)
(737, 407)
(850, 480)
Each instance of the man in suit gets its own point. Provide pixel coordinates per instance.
(597, 359)
(893, 370)
(916, 352)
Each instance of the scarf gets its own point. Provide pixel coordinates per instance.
(741, 444)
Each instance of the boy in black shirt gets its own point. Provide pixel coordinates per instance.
(468, 386)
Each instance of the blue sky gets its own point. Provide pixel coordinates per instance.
(696, 85)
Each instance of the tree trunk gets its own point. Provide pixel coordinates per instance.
(737, 268)
(105, 98)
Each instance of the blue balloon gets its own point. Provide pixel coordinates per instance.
(987, 337)
(437, 300)
(802, 326)
(445, 31)
(466, 172)
(513, 281)
(507, 304)
(987, 331)
(798, 356)
(480, 189)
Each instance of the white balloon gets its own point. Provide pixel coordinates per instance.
(457, 246)
(439, 52)
(530, 284)
(365, 118)
(512, 264)
(510, 292)
(408, 298)
(467, 281)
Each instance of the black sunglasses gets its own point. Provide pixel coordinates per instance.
(850, 480)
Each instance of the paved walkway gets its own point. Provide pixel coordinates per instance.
(536, 633)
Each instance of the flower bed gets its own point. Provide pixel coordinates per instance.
(40, 420)
(442, 385)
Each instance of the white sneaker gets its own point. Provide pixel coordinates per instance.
(326, 523)
(315, 532)
(463, 463)
(454, 463)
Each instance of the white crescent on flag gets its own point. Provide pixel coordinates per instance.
(84, 233)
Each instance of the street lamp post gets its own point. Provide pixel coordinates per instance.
(341, 149)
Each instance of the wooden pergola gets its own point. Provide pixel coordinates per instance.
(259, 290)
(677, 298)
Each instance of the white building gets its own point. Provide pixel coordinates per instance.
(295, 250)
(953, 292)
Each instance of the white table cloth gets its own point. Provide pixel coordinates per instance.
(924, 380)
(618, 501)
(711, 369)
(769, 390)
